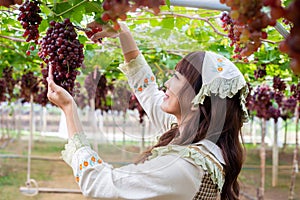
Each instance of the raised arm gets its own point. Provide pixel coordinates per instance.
(140, 76)
(65, 101)
(128, 44)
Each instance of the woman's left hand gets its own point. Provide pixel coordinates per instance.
(58, 95)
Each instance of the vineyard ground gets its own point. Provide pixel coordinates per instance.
(56, 174)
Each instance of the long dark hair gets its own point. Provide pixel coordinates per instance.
(227, 138)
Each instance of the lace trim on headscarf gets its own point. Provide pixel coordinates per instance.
(225, 88)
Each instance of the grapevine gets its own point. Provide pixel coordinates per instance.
(117, 9)
(63, 51)
(295, 90)
(10, 81)
(278, 84)
(121, 97)
(29, 85)
(97, 88)
(245, 23)
(30, 19)
(291, 45)
(260, 72)
(41, 96)
(81, 100)
(2, 90)
(91, 82)
(101, 98)
(288, 108)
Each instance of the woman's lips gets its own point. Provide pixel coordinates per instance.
(166, 97)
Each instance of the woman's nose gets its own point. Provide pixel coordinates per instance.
(167, 83)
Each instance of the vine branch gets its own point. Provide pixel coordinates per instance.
(191, 17)
(7, 11)
(207, 20)
(12, 38)
(11, 48)
(66, 11)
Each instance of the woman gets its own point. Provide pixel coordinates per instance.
(198, 155)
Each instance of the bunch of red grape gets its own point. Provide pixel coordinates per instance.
(30, 19)
(229, 27)
(10, 81)
(260, 102)
(246, 22)
(121, 97)
(101, 95)
(278, 84)
(8, 3)
(2, 90)
(117, 9)
(61, 49)
(291, 45)
(278, 97)
(91, 83)
(29, 86)
(81, 100)
(98, 88)
(260, 72)
(295, 90)
(288, 108)
(41, 96)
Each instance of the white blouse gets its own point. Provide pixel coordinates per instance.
(172, 172)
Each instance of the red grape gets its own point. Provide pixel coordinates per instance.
(2, 90)
(30, 19)
(63, 51)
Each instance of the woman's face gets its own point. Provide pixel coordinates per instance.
(174, 87)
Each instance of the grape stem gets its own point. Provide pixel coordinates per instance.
(83, 29)
(11, 48)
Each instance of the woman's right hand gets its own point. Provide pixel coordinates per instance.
(58, 95)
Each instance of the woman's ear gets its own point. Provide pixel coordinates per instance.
(194, 107)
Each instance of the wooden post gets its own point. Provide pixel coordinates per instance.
(285, 134)
(261, 189)
(124, 136)
(275, 156)
(295, 169)
(94, 124)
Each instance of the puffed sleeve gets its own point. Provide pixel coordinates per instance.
(143, 82)
(164, 177)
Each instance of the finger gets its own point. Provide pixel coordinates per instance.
(102, 34)
(50, 72)
(93, 24)
(52, 87)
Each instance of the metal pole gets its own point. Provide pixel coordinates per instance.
(205, 4)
